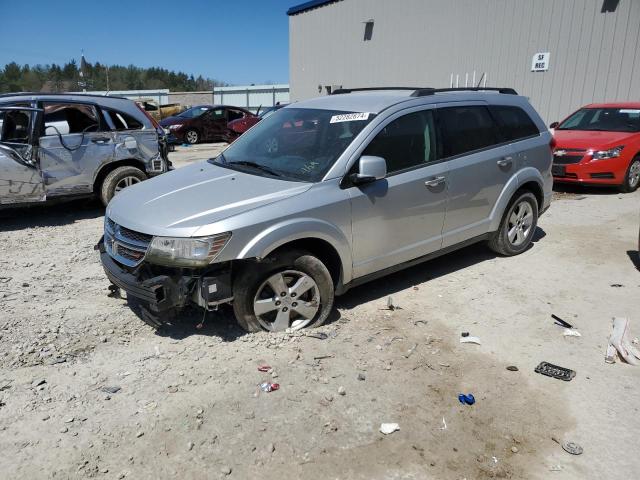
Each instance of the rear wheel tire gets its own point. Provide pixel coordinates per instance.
(303, 279)
(117, 180)
(632, 176)
(517, 226)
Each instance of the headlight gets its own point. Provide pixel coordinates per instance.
(611, 153)
(186, 252)
(175, 127)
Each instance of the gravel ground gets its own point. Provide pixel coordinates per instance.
(88, 390)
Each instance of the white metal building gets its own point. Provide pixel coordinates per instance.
(562, 54)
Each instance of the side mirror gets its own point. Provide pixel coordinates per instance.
(554, 125)
(370, 169)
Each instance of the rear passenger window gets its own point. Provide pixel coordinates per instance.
(514, 122)
(122, 121)
(235, 114)
(68, 118)
(465, 129)
(406, 142)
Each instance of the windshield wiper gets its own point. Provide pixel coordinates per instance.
(255, 165)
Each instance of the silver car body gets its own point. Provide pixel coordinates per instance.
(47, 170)
(372, 228)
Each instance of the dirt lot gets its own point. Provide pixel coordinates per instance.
(88, 390)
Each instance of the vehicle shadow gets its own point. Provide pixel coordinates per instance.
(439, 267)
(14, 219)
(578, 189)
(634, 256)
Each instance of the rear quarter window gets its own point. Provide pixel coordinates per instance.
(122, 121)
(467, 129)
(514, 122)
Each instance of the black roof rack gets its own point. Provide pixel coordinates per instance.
(30, 94)
(424, 91)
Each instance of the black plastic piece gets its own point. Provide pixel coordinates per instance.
(216, 289)
(551, 370)
(425, 91)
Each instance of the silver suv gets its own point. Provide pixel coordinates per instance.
(59, 146)
(329, 193)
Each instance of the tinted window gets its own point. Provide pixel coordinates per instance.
(604, 119)
(406, 142)
(122, 121)
(235, 114)
(68, 118)
(217, 114)
(514, 122)
(465, 129)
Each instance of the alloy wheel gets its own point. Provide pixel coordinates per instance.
(634, 174)
(124, 183)
(288, 299)
(192, 136)
(520, 223)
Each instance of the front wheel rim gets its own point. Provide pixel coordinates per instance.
(287, 299)
(634, 174)
(126, 182)
(192, 136)
(520, 223)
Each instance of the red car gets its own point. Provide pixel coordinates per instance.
(599, 145)
(241, 125)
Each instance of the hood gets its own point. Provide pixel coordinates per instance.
(165, 122)
(587, 140)
(180, 202)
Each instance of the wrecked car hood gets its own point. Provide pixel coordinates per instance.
(180, 202)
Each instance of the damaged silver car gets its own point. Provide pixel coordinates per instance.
(62, 146)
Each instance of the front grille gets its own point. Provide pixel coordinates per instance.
(125, 245)
(567, 159)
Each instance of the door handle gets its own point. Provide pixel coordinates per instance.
(505, 162)
(434, 182)
(100, 139)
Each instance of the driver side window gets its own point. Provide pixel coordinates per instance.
(14, 127)
(406, 142)
(69, 118)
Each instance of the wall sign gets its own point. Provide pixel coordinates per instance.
(540, 62)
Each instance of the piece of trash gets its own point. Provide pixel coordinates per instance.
(620, 341)
(611, 355)
(572, 448)
(113, 389)
(550, 370)
(466, 399)
(555, 468)
(444, 424)
(617, 285)
(322, 357)
(495, 460)
(569, 332)
(388, 428)
(512, 368)
(264, 368)
(464, 334)
(319, 335)
(269, 387)
(361, 377)
(475, 340)
(561, 322)
(410, 351)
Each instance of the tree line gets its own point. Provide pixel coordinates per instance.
(96, 76)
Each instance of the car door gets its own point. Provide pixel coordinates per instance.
(74, 142)
(20, 179)
(400, 218)
(480, 164)
(214, 124)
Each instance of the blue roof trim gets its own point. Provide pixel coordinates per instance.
(303, 7)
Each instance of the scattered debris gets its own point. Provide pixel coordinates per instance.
(264, 368)
(444, 424)
(113, 389)
(514, 449)
(464, 334)
(388, 428)
(561, 322)
(555, 371)
(139, 434)
(225, 470)
(474, 340)
(390, 305)
(572, 448)
(512, 368)
(318, 335)
(361, 377)
(269, 387)
(410, 351)
(568, 332)
(620, 343)
(617, 285)
(342, 390)
(322, 357)
(468, 399)
(555, 468)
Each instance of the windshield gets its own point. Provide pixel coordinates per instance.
(193, 112)
(604, 119)
(295, 143)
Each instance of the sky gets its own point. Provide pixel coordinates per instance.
(239, 42)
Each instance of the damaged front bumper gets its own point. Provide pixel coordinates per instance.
(172, 289)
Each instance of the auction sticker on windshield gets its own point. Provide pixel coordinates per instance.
(349, 117)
